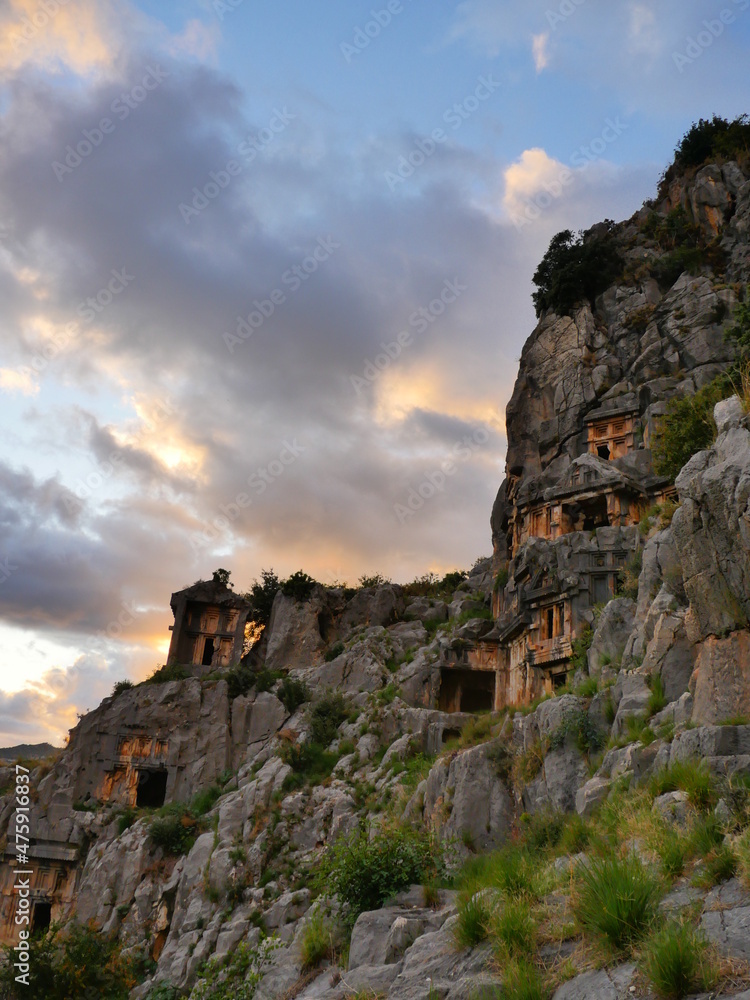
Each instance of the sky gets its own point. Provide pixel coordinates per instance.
(265, 277)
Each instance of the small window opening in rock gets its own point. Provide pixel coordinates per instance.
(595, 514)
(208, 653)
(558, 680)
(152, 789)
(603, 452)
(41, 918)
(464, 690)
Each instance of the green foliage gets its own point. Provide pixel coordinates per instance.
(431, 585)
(513, 870)
(204, 801)
(326, 716)
(617, 901)
(673, 850)
(221, 576)
(627, 578)
(714, 137)
(333, 651)
(691, 776)
(523, 981)
(366, 871)
(76, 963)
(121, 686)
(667, 269)
(588, 687)
(299, 586)
(261, 596)
(125, 820)
(580, 646)
(173, 830)
(265, 679)
(688, 427)
(706, 835)
(576, 267)
(163, 991)
(239, 680)
(388, 694)
(577, 728)
(742, 848)
(501, 580)
(376, 580)
(543, 829)
(292, 693)
(514, 931)
(474, 915)
(316, 943)
(677, 962)
(657, 700)
(167, 673)
(309, 761)
(235, 977)
(576, 834)
(739, 331)
(719, 865)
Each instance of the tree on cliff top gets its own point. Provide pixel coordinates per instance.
(576, 267)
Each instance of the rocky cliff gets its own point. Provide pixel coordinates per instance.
(321, 822)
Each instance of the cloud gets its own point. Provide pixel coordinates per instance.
(18, 381)
(539, 49)
(532, 172)
(76, 35)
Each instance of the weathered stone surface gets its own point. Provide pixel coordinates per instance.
(612, 631)
(726, 920)
(466, 798)
(556, 785)
(294, 638)
(611, 984)
(631, 694)
(712, 531)
(427, 609)
(670, 654)
(721, 683)
(373, 606)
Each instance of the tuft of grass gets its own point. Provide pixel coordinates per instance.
(523, 981)
(677, 962)
(720, 865)
(316, 943)
(474, 916)
(657, 699)
(588, 687)
(673, 851)
(576, 834)
(616, 901)
(512, 870)
(513, 931)
(691, 776)
(706, 835)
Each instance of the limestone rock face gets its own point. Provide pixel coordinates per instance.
(294, 636)
(466, 798)
(712, 529)
(612, 631)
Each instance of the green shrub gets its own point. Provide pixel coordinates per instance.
(580, 647)
(576, 834)
(333, 651)
(261, 596)
(688, 427)
(501, 580)
(76, 963)
(121, 686)
(326, 716)
(309, 761)
(673, 851)
(616, 901)
(543, 829)
(292, 693)
(512, 870)
(627, 578)
(577, 728)
(235, 977)
(667, 269)
(691, 776)
(366, 871)
(204, 800)
(589, 686)
(705, 835)
(167, 673)
(126, 819)
(375, 580)
(708, 139)
(316, 943)
(576, 268)
(265, 679)
(174, 832)
(239, 680)
(677, 962)
(299, 586)
(474, 915)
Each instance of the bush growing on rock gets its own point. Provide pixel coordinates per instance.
(316, 944)
(76, 963)
(299, 586)
(576, 268)
(167, 673)
(292, 693)
(365, 872)
(688, 427)
(174, 830)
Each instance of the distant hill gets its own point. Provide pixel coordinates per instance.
(32, 750)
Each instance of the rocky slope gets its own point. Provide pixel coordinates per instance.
(220, 892)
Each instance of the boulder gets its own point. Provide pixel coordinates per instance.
(294, 637)
(612, 631)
